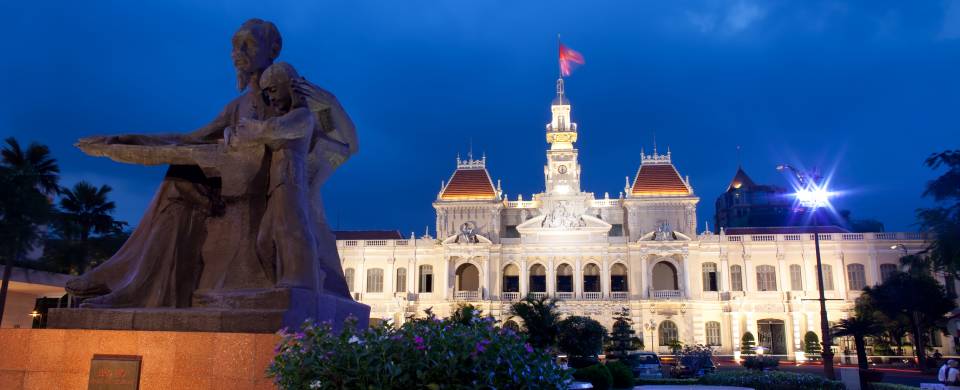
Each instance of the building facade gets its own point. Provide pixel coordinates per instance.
(598, 254)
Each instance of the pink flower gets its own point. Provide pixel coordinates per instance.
(528, 347)
(419, 343)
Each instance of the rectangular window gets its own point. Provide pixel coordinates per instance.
(426, 279)
(796, 278)
(766, 278)
(827, 277)
(710, 277)
(856, 276)
(736, 279)
(375, 280)
(401, 285)
(887, 270)
(713, 333)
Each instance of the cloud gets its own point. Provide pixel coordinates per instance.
(731, 19)
(951, 20)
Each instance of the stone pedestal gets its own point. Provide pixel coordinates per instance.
(245, 311)
(60, 358)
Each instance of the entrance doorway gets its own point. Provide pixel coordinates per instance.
(772, 336)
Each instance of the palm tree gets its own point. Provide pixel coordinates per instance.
(858, 327)
(85, 210)
(943, 220)
(27, 177)
(541, 319)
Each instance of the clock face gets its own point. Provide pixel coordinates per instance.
(562, 169)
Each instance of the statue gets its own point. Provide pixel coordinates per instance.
(237, 222)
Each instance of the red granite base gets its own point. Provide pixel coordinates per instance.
(60, 358)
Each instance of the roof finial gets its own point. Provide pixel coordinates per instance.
(654, 142)
(470, 150)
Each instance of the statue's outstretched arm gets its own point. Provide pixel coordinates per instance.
(210, 132)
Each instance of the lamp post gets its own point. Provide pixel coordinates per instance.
(813, 196)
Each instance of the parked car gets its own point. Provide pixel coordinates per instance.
(693, 367)
(644, 364)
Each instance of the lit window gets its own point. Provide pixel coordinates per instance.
(713, 333)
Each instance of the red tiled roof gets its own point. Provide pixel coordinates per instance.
(469, 184)
(368, 235)
(736, 231)
(658, 180)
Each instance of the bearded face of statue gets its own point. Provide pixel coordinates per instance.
(255, 45)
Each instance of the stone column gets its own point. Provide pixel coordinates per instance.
(524, 277)
(782, 272)
(551, 277)
(644, 277)
(578, 278)
(724, 273)
(735, 334)
(685, 267)
(749, 275)
(874, 267)
(605, 276)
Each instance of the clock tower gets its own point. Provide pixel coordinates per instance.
(562, 172)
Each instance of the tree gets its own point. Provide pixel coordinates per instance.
(622, 339)
(540, 320)
(942, 222)
(465, 314)
(893, 330)
(858, 327)
(811, 345)
(747, 344)
(27, 177)
(918, 298)
(581, 336)
(84, 228)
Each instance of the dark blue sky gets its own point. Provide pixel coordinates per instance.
(869, 88)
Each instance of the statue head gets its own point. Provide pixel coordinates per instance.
(255, 45)
(276, 82)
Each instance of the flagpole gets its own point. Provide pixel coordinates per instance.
(559, 66)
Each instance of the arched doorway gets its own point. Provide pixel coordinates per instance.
(511, 279)
(618, 278)
(665, 276)
(538, 278)
(468, 277)
(772, 336)
(591, 278)
(565, 278)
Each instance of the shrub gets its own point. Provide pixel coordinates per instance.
(581, 336)
(811, 345)
(598, 375)
(760, 362)
(621, 374)
(694, 360)
(422, 353)
(770, 380)
(747, 344)
(890, 386)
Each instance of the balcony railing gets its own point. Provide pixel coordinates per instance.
(564, 295)
(537, 295)
(666, 294)
(592, 295)
(619, 295)
(889, 236)
(466, 295)
(510, 296)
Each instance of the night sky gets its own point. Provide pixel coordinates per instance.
(864, 90)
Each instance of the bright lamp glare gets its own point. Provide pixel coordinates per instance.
(813, 197)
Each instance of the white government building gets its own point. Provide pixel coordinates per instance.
(640, 250)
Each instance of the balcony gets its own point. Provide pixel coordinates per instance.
(564, 295)
(510, 296)
(666, 294)
(619, 295)
(592, 295)
(538, 295)
(466, 295)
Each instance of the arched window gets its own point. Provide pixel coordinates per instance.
(713, 333)
(348, 275)
(887, 270)
(467, 278)
(538, 278)
(564, 278)
(796, 277)
(511, 278)
(618, 278)
(667, 333)
(665, 276)
(856, 277)
(375, 280)
(710, 280)
(827, 277)
(401, 285)
(766, 278)
(426, 279)
(591, 278)
(736, 278)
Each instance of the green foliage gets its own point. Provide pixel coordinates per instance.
(540, 320)
(760, 362)
(465, 314)
(943, 221)
(581, 336)
(598, 375)
(811, 345)
(770, 380)
(890, 386)
(622, 339)
(747, 344)
(621, 374)
(667, 381)
(858, 327)
(695, 358)
(675, 346)
(423, 353)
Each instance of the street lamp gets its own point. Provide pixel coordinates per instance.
(813, 195)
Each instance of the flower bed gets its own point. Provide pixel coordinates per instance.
(770, 380)
(424, 353)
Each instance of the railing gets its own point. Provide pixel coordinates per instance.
(592, 295)
(823, 237)
(791, 237)
(564, 295)
(666, 294)
(510, 296)
(852, 237)
(522, 204)
(402, 242)
(350, 243)
(538, 295)
(734, 238)
(466, 295)
(605, 202)
(763, 237)
(619, 295)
